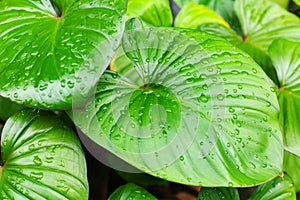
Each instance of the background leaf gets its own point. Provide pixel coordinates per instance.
(218, 194)
(155, 12)
(261, 24)
(193, 15)
(278, 188)
(189, 111)
(42, 158)
(53, 51)
(8, 108)
(131, 191)
(291, 167)
(285, 56)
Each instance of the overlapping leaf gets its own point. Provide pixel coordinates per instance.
(155, 12)
(54, 51)
(285, 56)
(279, 188)
(132, 192)
(218, 194)
(41, 159)
(199, 103)
(193, 15)
(291, 167)
(261, 24)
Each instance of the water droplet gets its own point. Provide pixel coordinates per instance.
(220, 97)
(37, 160)
(37, 175)
(252, 165)
(203, 98)
(181, 158)
(268, 104)
(254, 70)
(31, 147)
(231, 110)
(230, 184)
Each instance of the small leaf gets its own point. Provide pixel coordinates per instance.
(55, 51)
(278, 188)
(218, 194)
(132, 192)
(155, 12)
(285, 56)
(291, 167)
(199, 103)
(42, 159)
(193, 15)
(8, 108)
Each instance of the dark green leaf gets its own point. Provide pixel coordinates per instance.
(41, 159)
(291, 167)
(132, 192)
(218, 194)
(155, 12)
(285, 56)
(277, 189)
(8, 108)
(199, 103)
(52, 53)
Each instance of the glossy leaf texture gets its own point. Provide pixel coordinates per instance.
(53, 52)
(199, 103)
(285, 56)
(291, 167)
(155, 12)
(8, 108)
(259, 30)
(193, 15)
(218, 194)
(41, 159)
(132, 192)
(277, 189)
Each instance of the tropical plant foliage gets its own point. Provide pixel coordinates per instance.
(208, 96)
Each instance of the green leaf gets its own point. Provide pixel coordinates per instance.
(278, 188)
(155, 12)
(8, 108)
(297, 2)
(265, 21)
(55, 51)
(41, 159)
(222, 7)
(291, 167)
(261, 24)
(200, 103)
(285, 56)
(193, 15)
(218, 194)
(132, 192)
(282, 3)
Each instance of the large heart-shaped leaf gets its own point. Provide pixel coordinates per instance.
(291, 167)
(279, 188)
(261, 24)
(193, 15)
(41, 159)
(155, 12)
(218, 194)
(201, 113)
(52, 51)
(285, 56)
(132, 192)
